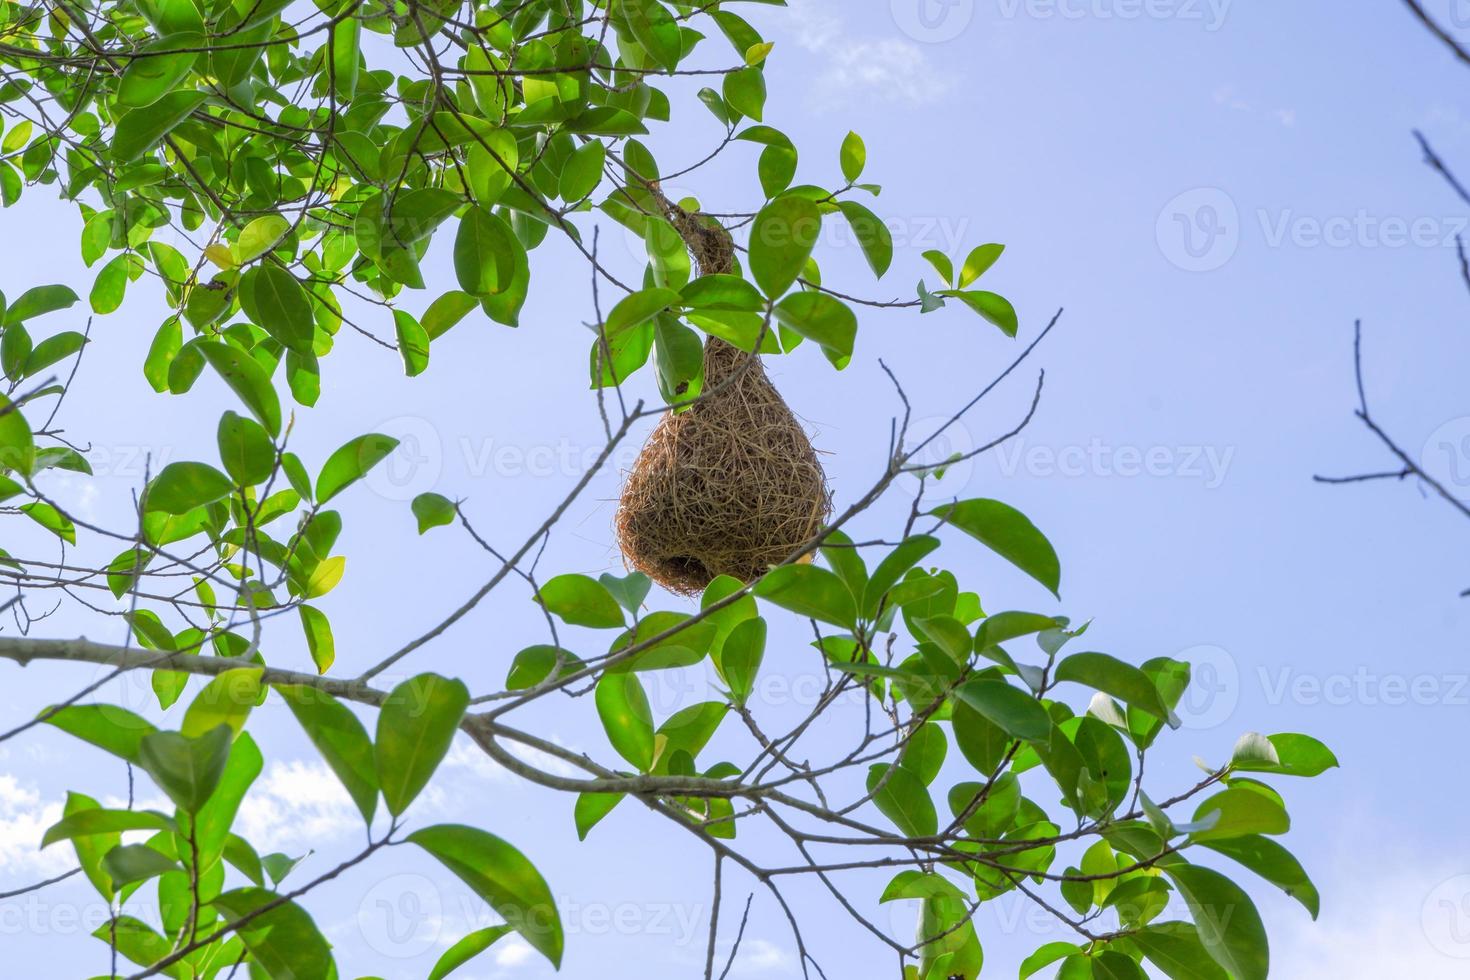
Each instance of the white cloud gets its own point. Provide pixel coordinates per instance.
(762, 956)
(1226, 96)
(294, 805)
(853, 69)
(513, 954)
(23, 819)
(1411, 921)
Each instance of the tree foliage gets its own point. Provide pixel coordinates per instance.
(307, 158)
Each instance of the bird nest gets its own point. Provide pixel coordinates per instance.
(730, 486)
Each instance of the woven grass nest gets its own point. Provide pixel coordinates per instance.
(730, 486)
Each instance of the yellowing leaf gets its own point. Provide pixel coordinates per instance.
(220, 255)
(324, 577)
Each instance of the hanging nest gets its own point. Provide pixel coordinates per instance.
(731, 485)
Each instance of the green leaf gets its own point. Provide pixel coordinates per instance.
(948, 634)
(186, 769)
(656, 31)
(156, 71)
(86, 822)
(246, 450)
(131, 863)
(502, 876)
(346, 53)
(1229, 927)
(809, 591)
(1297, 755)
(1110, 675)
(745, 92)
(637, 308)
(872, 235)
(319, 641)
(282, 939)
(303, 376)
(415, 728)
(902, 797)
(96, 237)
(893, 567)
(535, 663)
(1274, 863)
(846, 562)
(581, 601)
(39, 300)
(485, 253)
(341, 739)
(325, 576)
(623, 707)
(1005, 626)
(413, 343)
(1113, 965)
(248, 380)
(278, 865)
(214, 819)
(688, 731)
(111, 284)
(781, 240)
(821, 318)
(272, 298)
(351, 462)
(138, 941)
(854, 157)
(139, 130)
(720, 292)
(90, 848)
(51, 519)
(1014, 711)
(53, 349)
(1046, 956)
(997, 309)
(115, 729)
(490, 163)
(582, 172)
(161, 353)
(238, 852)
(1008, 533)
(591, 808)
(1175, 948)
(225, 700)
(15, 351)
(259, 237)
(741, 655)
(630, 590)
(467, 949)
(976, 264)
(1238, 812)
(446, 311)
(432, 510)
(614, 360)
(923, 754)
(181, 487)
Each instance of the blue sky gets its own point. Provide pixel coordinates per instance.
(1214, 191)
